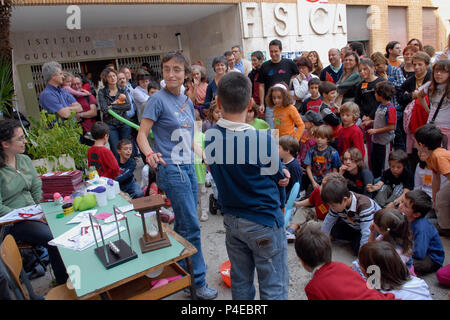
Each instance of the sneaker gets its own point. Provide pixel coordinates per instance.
(212, 204)
(206, 293)
(167, 215)
(290, 236)
(204, 216)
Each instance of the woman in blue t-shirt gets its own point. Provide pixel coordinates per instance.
(170, 115)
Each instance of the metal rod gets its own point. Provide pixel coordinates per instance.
(92, 226)
(117, 222)
(104, 245)
(128, 228)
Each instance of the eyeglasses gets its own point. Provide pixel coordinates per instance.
(175, 70)
(441, 71)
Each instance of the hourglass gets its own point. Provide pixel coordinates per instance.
(154, 237)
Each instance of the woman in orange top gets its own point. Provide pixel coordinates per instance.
(285, 116)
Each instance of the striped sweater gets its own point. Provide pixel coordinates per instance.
(358, 216)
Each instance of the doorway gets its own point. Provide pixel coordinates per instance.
(95, 68)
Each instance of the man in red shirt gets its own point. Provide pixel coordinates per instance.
(331, 280)
(101, 157)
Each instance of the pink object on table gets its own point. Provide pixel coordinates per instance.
(443, 275)
(103, 215)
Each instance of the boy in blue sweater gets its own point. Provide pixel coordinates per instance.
(127, 165)
(250, 179)
(428, 252)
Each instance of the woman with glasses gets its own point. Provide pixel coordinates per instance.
(20, 187)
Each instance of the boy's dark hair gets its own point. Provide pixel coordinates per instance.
(313, 81)
(277, 43)
(385, 89)
(358, 47)
(400, 156)
(394, 272)
(122, 143)
(324, 131)
(326, 87)
(99, 130)
(313, 245)
(234, 92)
(289, 143)
(421, 201)
(227, 53)
(429, 135)
(153, 85)
(258, 55)
(334, 190)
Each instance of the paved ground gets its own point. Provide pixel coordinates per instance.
(213, 243)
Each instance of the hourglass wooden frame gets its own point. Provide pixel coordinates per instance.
(143, 206)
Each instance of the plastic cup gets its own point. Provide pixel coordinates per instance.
(100, 195)
(110, 192)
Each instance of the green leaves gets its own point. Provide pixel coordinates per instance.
(52, 137)
(6, 86)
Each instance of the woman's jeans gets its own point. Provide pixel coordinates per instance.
(117, 133)
(39, 234)
(251, 246)
(179, 182)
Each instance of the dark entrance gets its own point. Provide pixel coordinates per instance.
(95, 68)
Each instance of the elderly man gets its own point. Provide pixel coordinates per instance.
(55, 99)
(334, 71)
(131, 84)
(243, 65)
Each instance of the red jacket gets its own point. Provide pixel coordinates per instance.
(336, 281)
(104, 161)
(350, 137)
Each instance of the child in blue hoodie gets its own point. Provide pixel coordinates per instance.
(127, 165)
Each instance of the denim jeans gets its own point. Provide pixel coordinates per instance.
(180, 185)
(268, 116)
(117, 133)
(133, 190)
(38, 233)
(252, 245)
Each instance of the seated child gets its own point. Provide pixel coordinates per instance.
(394, 276)
(350, 134)
(428, 252)
(329, 110)
(383, 131)
(288, 149)
(305, 213)
(253, 120)
(354, 170)
(315, 100)
(127, 166)
(99, 156)
(331, 280)
(429, 139)
(392, 226)
(350, 214)
(395, 181)
(321, 159)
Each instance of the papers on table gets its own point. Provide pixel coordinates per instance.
(33, 212)
(82, 216)
(81, 236)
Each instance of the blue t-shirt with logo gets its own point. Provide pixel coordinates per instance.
(173, 126)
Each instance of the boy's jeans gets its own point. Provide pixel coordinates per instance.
(252, 245)
(133, 190)
(179, 182)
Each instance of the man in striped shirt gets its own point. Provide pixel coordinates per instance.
(350, 214)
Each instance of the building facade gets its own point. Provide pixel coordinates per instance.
(87, 36)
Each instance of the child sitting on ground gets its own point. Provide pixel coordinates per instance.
(99, 156)
(350, 134)
(331, 280)
(383, 131)
(127, 166)
(321, 159)
(429, 139)
(392, 226)
(315, 100)
(350, 214)
(354, 170)
(395, 181)
(428, 252)
(286, 118)
(394, 276)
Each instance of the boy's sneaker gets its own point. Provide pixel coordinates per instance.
(167, 215)
(290, 235)
(206, 293)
